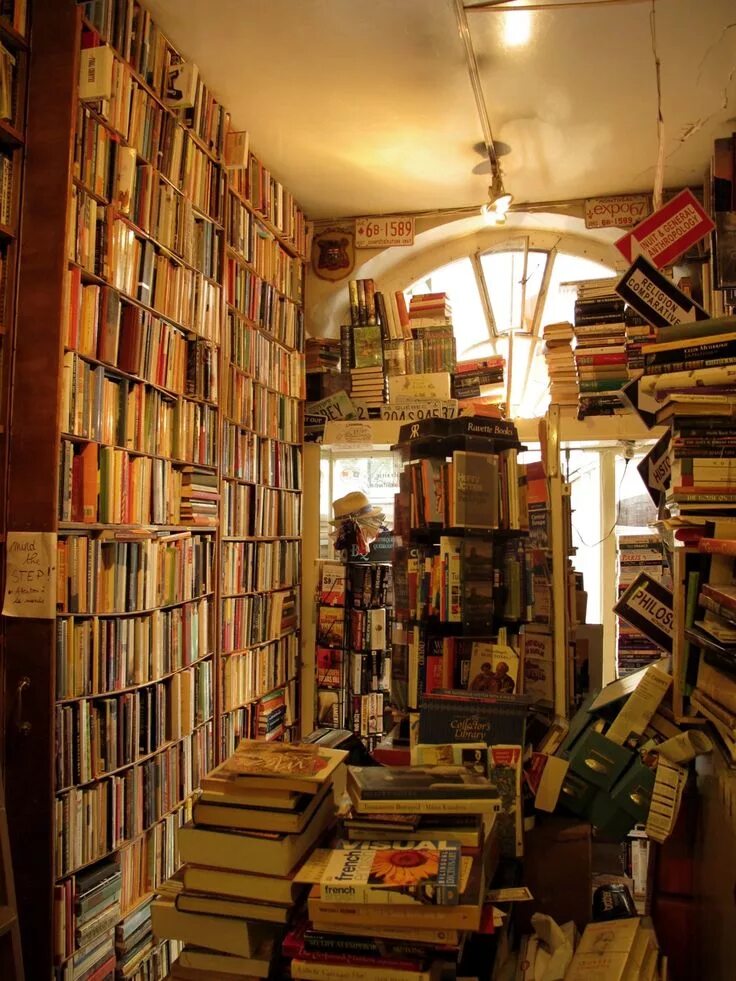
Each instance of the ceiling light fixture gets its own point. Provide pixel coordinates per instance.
(499, 200)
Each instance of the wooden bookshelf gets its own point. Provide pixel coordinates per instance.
(160, 350)
(13, 38)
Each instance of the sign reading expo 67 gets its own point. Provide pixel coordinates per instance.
(380, 233)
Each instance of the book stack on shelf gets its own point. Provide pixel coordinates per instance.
(432, 345)
(479, 385)
(600, 348)
(638, 554)
(260, 814)
(369, 602)
(177, 510)
(558, 355)
(401, 891)
(638, 333)
(462, 570)
(330, 650)
(322, 365)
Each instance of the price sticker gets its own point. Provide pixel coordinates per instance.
(380, 233)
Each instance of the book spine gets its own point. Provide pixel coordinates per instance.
(314, 971)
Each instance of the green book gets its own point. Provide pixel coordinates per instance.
(367, 347)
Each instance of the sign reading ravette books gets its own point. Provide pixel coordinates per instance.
(655, 297)
(647, 605)
(669, 232)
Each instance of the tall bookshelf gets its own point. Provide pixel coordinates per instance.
(159, 349)
(14, 50)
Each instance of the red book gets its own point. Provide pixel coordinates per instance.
(600, 358)
(717, 546)
(401, 307)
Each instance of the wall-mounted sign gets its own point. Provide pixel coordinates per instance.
(380, 233)
(617, 211)
(670, 231)
(333, 253)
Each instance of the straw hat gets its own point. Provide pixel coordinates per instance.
(354, 503)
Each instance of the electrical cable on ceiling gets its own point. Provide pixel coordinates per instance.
(659, 168)
(502, 6)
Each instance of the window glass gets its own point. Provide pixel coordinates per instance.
(505, 279)
(568, 269)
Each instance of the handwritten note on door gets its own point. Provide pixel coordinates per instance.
(30, 575)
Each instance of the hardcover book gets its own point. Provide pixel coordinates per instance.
(303, 767)
(389, 783)
(462, 716)
(474, 491)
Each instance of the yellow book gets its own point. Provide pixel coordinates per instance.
(219, 933)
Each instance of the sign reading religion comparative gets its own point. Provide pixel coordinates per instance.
(655, 297)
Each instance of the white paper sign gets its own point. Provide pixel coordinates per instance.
(30, 575)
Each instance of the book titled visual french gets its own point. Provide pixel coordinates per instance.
(425, 875)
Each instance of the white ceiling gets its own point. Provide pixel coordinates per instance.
(365, 107)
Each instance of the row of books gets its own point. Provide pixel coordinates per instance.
(249, 457)
(272, 201)
(264, 359)
(252, 674)
(99, 737)
(249, 240)
(244, 398)
(472, 491)
(264, 305)
(249, 511)
(97, 655)
(112, 486)
(273, 715)
(102, 405)
(251, 620)
(243, 722)
(96, 575)
(466, 581)
(249, 567)
(103, 327)
(95, 820)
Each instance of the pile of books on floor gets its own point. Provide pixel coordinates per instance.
(637, 554)
(600, 349)
(397, 895)
(563, 379)
(259, 816)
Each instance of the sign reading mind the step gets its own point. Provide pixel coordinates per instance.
(30, 575)
(669, 232)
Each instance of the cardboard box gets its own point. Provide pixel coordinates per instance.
(598, 760)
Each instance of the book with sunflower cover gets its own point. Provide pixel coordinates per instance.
(429, 873)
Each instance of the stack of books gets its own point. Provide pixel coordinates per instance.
(480, 382)
(563, 379)
(322, 354)
(637, 554)
(430, 310)
(260, 814)
(638, 333)
(401, 901)
(600, 351)
(200, 497)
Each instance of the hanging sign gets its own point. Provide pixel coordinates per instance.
(669, 232)
(655, 297)
(647, 605)
(380, 233)
(645, 406)
(617, 211)
(654, 469)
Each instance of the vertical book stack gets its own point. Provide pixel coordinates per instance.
(563, 379)
(600, 350)
(259, 816)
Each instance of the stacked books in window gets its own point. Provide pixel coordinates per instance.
(637, 554)
(638, 333)
(432, 347)
(480, 384)
(600, 351)
(260, 814)
(398, 896)
(563, 379)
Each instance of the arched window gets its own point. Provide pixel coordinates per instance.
(502, 298)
